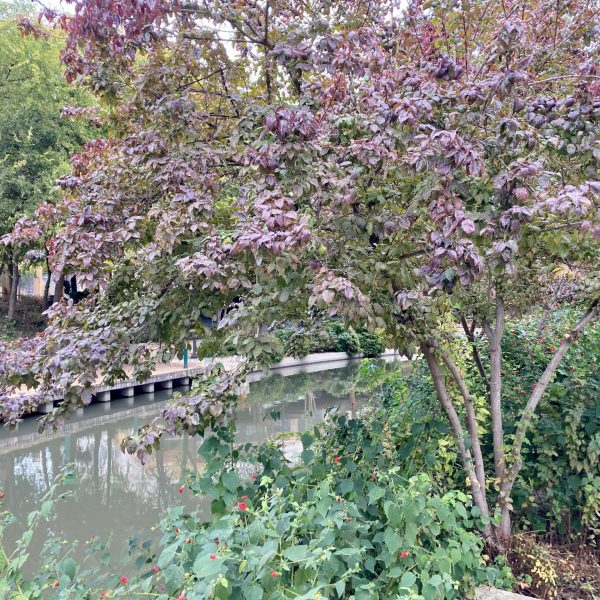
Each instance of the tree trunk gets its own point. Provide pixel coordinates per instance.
(503, 530)
(494, 336)
(478, 492)
(58, 287)
(46, 287)
(14, 288)
(8, 285)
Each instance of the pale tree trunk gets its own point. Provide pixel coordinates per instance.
(494, 336)
(472, 467)
(14, 287)
(58, 287)
(46, 289)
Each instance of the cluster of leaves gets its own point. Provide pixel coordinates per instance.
(329, 336)
(36, 138)
(350, 156)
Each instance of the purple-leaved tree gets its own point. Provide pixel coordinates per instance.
(430, 170)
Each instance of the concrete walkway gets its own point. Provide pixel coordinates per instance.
(174, 374)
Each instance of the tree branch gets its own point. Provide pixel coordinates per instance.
(477, 491)
(470, 333)
(494, 339)
(471, 417)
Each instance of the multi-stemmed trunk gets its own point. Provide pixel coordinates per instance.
(506, 466)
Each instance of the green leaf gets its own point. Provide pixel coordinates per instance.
(231, 481)
(167, 555)
(205, 568)
(307, 440)
(296, 553)
(393, 513)
(375, 493)
(346, 486)
(69, 567)
(252, 592)
(408, 580)
(307, 456)
(392, 540)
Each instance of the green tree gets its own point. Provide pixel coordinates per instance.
(35, 140)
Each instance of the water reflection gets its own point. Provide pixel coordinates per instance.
(114, 495)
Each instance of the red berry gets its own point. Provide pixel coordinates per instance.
(123, 579)
(244, 497)
(2, 495)
(213, 556)
(182, 597)
(242, 506)
(155, 569)
(217, 541)
(56, 584)
(274, 573)
(403, 554)
(337, 459)
(180, 490)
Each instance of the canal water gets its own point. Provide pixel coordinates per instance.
(114, 496)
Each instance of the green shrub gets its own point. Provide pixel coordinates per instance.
(322, 339)
(347, 525)
(295, 341)
(344, 526)
(371, 344)
(559, 488)
(345, 339)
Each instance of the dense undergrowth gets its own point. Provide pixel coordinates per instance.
(302, 338)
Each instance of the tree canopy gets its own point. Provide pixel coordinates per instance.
(35, 141)
(418, 169)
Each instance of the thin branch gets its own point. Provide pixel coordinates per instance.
(471, 417)
(470, 333)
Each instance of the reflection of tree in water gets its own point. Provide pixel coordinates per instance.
(112, 493)
(335, 382)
